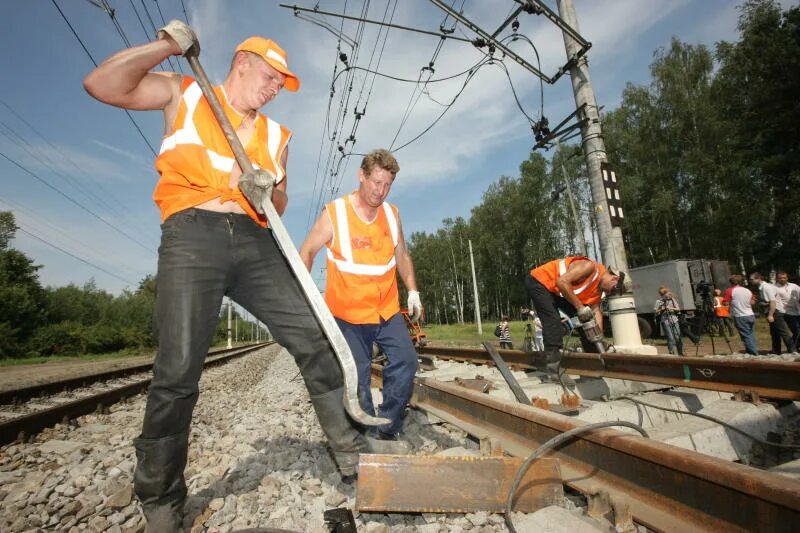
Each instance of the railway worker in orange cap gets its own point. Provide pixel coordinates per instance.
(366, 251)
(574, 285)
(215, 243)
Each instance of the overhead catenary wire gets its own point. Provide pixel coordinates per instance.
(82, 260)
(164, 22)
(155, 29)
(75, 33)
(75, 202)
(31, 219)
(119, 205)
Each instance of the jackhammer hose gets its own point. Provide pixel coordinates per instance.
(549, 445)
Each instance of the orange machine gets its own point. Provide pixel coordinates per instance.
(418, 336)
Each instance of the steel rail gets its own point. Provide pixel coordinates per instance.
(768, 379)
(30, 424)
(23, 394)
(665, 488)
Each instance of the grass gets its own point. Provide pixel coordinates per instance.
(122, 354)
(467, 335)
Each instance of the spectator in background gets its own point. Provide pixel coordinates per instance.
(504, 334)
(666, 311)
(778, 330)
(789, 293)
(722, 313)
(742, 312)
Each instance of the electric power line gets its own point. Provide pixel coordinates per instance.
(135, 125)
(73, 201)
(82, 260)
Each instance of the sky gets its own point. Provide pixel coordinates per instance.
(79, 176)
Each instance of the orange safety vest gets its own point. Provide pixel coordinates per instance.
(362, 281)
(196, 160)
(588, 291)
(721, 308)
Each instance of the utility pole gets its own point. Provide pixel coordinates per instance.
(621, 307)
(230, 340)
(475, 290)
(612, 248)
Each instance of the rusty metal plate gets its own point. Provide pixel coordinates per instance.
(437, 484)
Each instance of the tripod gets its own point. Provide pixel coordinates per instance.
(710, 322)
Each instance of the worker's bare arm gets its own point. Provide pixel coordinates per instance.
(576, 272)
(124, 79)
(279, 197)
(320, 234)
(405, 266)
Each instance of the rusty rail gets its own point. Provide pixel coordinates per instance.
(666, 488)
(767, 379)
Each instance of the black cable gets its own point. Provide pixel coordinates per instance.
(51, 229)
(716, 421)
(141, 22)
(135, 125)
(65, 157)
(84, 261)
(549, 445)
(72, 200)
(184, 12)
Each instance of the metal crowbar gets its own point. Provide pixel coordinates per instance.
(321, 311)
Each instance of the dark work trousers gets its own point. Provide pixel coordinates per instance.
(779, 331)
(203, 256)
(547, 305)
(793, 321)
(393, 339)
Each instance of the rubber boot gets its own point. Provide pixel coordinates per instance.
(556, 374)
(541, 360)
(343, 437)
(159, 483)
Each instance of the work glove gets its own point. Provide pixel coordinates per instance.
(257, 187)
(414, 306)
(183, 35)
(585, 314)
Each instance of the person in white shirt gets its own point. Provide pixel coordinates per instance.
(742, 312)
(789, 293)
(778, 329)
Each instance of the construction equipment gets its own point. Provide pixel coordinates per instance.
(594, 334)
(321, 311)
(418, 335)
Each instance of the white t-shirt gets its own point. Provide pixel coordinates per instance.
(789, 294)
(740, 302)
(769, 293)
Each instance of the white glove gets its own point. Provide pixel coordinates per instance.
(585, 314)
(183, 35)
(257, 187)
(414, 306)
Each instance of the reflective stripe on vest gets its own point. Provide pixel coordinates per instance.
(187, 134)
(347, 264)
(562, 269)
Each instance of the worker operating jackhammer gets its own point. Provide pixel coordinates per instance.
(214, 243)
(574, 285)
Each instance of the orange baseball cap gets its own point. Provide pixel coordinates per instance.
(273, 54)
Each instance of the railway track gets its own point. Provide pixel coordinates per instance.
(623, 475)
(27, 411)
(758, 379)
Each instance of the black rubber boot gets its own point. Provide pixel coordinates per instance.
(556, 374)
(159, 483)
(343, 437)
(542, 360)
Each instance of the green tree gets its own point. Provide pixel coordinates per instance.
(21, 294)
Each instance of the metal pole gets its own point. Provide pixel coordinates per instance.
(621, 307)
(230, 340)
(475, 290)
(611, 245)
